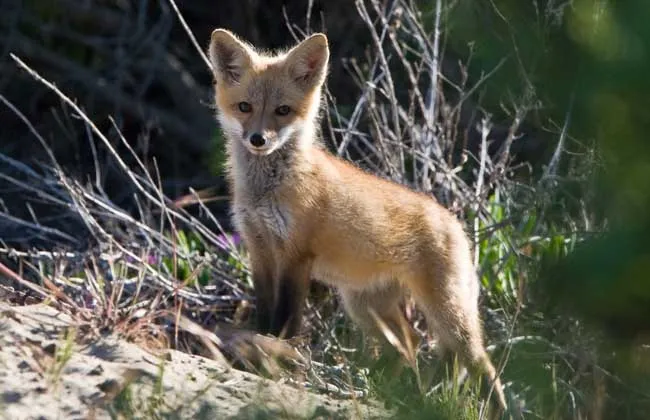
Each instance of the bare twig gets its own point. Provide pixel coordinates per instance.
(190, 34)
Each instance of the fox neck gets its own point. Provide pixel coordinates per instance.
(258, 176)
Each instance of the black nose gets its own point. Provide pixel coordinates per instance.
(257, 140)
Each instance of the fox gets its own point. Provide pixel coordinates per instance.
(305, 214)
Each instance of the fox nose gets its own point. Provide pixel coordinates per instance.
(257, 140)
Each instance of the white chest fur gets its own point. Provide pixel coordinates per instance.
(274, 216)
(259, 189)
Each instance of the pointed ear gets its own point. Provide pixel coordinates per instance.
(229, 56)
(307, 61)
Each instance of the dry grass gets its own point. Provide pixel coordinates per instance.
(164, 278)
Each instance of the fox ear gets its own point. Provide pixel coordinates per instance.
(307, 61)
(229, 56)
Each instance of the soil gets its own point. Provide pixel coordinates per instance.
(46, 373)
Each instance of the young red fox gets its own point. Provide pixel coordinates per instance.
(304, 213)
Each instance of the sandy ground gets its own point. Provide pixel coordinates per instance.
(43, 375)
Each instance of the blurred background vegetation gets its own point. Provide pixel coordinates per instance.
(561, 216)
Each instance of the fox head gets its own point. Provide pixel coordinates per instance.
(265, 101)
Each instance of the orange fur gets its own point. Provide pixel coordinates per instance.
(304, 213)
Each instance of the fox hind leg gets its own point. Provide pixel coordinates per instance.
(452, 315)
(366, 307)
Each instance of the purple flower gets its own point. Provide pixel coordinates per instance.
(224, 241)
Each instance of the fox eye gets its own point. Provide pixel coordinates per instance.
(245, 107)
(282, 110)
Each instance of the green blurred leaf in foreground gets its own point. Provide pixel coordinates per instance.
(590, 60)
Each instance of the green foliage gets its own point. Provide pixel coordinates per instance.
(510, 254)
(62, 355)
(394, 383)
(588, 61)
(182, 268)
(124, 403)
(608, 282)
(133, 402)
(156, 400)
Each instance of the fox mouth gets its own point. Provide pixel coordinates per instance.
(271, 144)
(260, 151)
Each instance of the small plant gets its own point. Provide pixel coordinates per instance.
(62, 355)
(156, 400)
(180, 263)
(123, 404)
